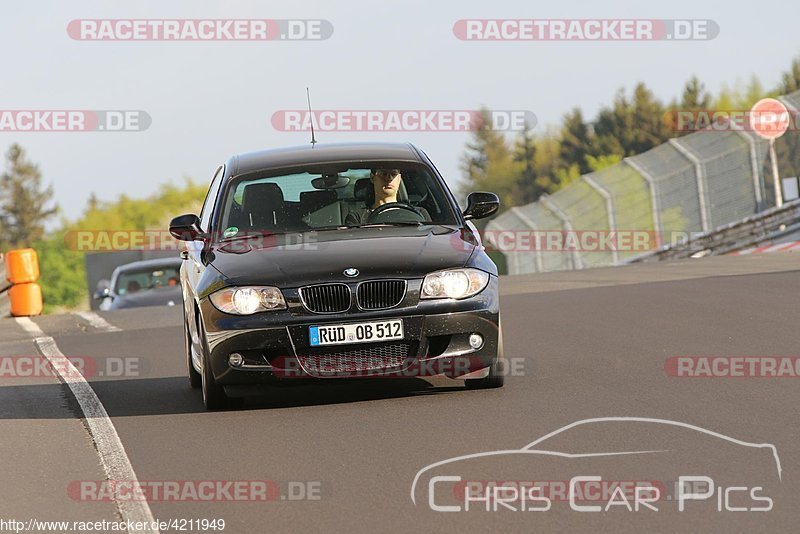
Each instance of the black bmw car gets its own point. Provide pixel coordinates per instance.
(336, 261)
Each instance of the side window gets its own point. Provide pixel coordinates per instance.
(211, 197)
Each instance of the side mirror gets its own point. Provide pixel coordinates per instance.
(186, 227)
(103, 290)
(481, 204)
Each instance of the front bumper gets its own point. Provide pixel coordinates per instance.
(275, 345)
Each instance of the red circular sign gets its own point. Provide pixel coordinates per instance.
(769, 118)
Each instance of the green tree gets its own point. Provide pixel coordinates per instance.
(790, 81)
(149, 213)
(753, 93)
(489, 164)
(694, 96)
(566, 175)
(63, 274)
(575, 141)
(528, 189)
(601, 162)
(630, 127)
(547, 162)
(740, 97)
(612, 127)
(649, 127)
(25, 205)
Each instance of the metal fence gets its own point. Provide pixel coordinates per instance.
(689, 185)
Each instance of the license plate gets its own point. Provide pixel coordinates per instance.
(343, 334)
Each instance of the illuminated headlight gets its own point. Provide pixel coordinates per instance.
(248, 300)
(454, 284)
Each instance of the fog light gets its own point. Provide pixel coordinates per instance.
(475, 341)
(235, 359)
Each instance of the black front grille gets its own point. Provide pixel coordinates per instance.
(364, 360)
(326, 298)
(381, 294)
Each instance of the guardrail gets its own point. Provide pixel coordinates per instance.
(738, 235)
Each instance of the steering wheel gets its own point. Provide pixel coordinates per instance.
(386, 212)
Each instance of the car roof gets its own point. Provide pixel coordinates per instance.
(145, 264)
(323, 153)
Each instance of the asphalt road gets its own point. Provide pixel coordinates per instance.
(344, 455)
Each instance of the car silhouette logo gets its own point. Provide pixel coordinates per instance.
(351, 272)
(535, 449)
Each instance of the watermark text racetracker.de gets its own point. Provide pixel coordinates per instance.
(207, 490)
(34, 366)
(402, 120)
(302, 366)
(73, 120)
(200, 29)
(585, 29)
(526, 240)
(714, 120)
(577, 240)
(231, 240)
(733, 366)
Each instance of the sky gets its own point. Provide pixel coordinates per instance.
(209, 100)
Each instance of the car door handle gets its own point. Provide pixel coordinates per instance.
(184, 254)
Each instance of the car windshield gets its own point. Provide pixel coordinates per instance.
(345, 196)
(133, 281)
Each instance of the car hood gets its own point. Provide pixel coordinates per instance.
(298, 259)
(161, 296)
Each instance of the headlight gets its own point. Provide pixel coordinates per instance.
(454, 284)
(248, 300)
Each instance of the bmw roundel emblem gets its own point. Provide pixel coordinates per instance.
(351, 272)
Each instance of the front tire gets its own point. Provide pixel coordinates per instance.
(214, 397)
(496, 376)
(195, 380)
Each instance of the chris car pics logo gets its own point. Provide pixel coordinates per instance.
(521, 480)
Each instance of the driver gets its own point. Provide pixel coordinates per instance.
(385, 184)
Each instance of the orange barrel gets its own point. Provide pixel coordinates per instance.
(22, 266)
(26, 299)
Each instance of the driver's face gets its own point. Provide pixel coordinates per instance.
(386, 183)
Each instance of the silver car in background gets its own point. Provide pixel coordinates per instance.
(141, 283)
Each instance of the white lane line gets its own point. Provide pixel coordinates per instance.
(30, 327)
(96, 321)
(109, 447)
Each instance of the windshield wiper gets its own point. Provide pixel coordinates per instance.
(254, 235)
(326, 228)
(397, 223)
